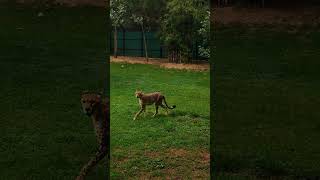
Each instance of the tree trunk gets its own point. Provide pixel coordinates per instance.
(145, 42)
(115, 42)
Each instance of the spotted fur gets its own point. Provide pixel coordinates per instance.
(155, 98)
(98, 110)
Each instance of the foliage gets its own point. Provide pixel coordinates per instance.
(146, 12)
(142, 14)
(118, 16)
(181, 26)
(139, 13)
(204, 34)
(118, 12)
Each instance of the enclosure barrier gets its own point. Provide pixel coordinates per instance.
(130, 43)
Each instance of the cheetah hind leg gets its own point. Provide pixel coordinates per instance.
(164, 107)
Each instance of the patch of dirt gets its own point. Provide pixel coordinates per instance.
(160, 62)
(122, 160)
(196, 161)
(170, 172)
(205, 157)
(177, 153)
(152, 154)
(179, 163)
(119, 159)
(298, 16)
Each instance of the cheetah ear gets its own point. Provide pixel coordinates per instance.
(99, 94)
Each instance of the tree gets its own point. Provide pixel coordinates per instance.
(204, 34)
(181, 25)
(146, 13)
(118, 13)
(140, 21)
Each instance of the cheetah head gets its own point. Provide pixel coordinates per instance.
(89, 101)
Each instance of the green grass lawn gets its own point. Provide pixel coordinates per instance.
(176, 145)
(45, 63)
(267, 98)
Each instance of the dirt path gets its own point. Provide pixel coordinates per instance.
(160, 62)
(98, 3)
(299, 16)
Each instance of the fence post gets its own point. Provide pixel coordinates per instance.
(141, 44)
(110, 43)
(160, 51)
(197, 51)
(124, 42)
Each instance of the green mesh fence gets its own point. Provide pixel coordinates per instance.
(130, 43)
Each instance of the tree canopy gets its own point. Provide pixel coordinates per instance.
(184, 24)
(181, 24)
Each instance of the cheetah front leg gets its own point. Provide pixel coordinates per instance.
(156, 111)
(93, 161)
(138, 113)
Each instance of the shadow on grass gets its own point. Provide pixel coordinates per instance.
(183, 115)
